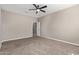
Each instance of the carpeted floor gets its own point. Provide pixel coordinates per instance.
(37, 46)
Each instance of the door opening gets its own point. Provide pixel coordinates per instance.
(34, 29)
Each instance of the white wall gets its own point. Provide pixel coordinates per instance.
(0, 28)
(16, 26)
(62, 25)
(38, 28)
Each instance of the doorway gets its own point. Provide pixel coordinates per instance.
(34, 29)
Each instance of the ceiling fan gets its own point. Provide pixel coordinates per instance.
(38, 8)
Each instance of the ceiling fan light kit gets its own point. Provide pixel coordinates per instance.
(38, 10)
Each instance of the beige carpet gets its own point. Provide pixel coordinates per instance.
(38, 46)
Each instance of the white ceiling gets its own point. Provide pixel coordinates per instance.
(23, 8)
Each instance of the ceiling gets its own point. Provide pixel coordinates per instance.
(23, 8)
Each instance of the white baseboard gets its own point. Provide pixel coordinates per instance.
(13, 39)
(16, 38)
(61, 40)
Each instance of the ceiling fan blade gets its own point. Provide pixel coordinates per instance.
(32, 9)
(43, 11)
(42, 7)
(36, 12)
(35, 6)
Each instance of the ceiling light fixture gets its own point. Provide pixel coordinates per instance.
(38, 10)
